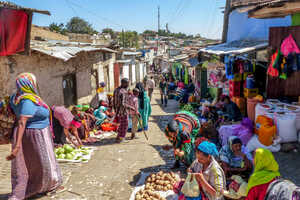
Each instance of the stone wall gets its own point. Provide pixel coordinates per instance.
(49, 72)
(45, 33)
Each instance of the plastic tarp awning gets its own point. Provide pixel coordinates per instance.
(236, 47)
(194, 62)
(241, 27)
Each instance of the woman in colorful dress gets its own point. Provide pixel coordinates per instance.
(34, 167)
(144, 105)
(182, 132)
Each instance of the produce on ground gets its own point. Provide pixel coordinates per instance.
(148, 195)
(67, 152)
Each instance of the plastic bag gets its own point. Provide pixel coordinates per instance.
(254, 143)
(190, 187)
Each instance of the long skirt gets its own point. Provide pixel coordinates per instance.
(35, 169)
(122, 130)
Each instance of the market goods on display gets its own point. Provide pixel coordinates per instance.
(148, 195)
(67, 152)
(188, 107)
(159, 182)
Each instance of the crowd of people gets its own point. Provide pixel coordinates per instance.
(230, 171)
(40, 128)
(216, 169)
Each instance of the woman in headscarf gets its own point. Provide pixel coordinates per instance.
(208, 172)
(144, 105)
(236, 159)
(265, 182)
(34, 167)
(181, 133)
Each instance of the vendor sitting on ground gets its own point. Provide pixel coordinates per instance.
(231, 110)
(236, 159)
(217, 102)
(208, 172)
(265, 182)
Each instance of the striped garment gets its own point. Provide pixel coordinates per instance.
(214, 175)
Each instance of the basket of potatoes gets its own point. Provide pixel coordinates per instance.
(160, 181)
(148, 195)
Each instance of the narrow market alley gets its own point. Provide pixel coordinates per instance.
(114, 168)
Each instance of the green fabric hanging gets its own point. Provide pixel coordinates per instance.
(186, 75)
(296, 19)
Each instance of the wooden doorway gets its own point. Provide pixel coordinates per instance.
(69, 90)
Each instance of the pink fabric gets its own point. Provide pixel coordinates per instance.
(76, 124)
(289, 46)
(134, 103)
(180, 85)
(63, 115)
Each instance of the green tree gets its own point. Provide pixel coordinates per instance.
(129, 39)
(79, 25)
(59, 28)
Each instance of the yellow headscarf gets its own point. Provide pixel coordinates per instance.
(266, 168)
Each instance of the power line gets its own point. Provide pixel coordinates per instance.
(96, 15)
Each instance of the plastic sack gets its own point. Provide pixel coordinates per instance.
(254, 143)
(243, 132)
(238, 190)
(287, 127)
(190, 187)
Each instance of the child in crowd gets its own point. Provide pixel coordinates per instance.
(134, 111)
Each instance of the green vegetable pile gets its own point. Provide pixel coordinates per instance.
(67, 152)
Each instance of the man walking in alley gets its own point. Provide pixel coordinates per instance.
(163, 92)
(150, 86)
(121, 107)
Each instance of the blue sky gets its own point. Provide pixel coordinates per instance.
(188, 16)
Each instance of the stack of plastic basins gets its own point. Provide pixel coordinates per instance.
(234, 88)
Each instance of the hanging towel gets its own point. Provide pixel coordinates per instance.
(289, 46)
(13, 29)
(186, 76)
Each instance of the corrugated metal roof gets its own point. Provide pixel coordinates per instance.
(235, 47)
(65, 52)
(10, 5)
(130, 53)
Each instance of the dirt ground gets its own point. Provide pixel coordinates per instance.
(114, 169)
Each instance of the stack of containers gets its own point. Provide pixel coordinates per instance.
(250, 90)
(235, 86)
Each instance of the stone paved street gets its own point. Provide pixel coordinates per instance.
(114, 169)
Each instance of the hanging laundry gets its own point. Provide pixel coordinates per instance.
(186, 76)
(13, 30)
(289, 46)
(229, 67)
(271, 70)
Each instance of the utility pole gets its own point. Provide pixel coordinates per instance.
(158, 18)
(167, 27)
(226, 20)
(123, 38)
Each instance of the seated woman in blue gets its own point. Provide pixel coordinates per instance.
(34, 167)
